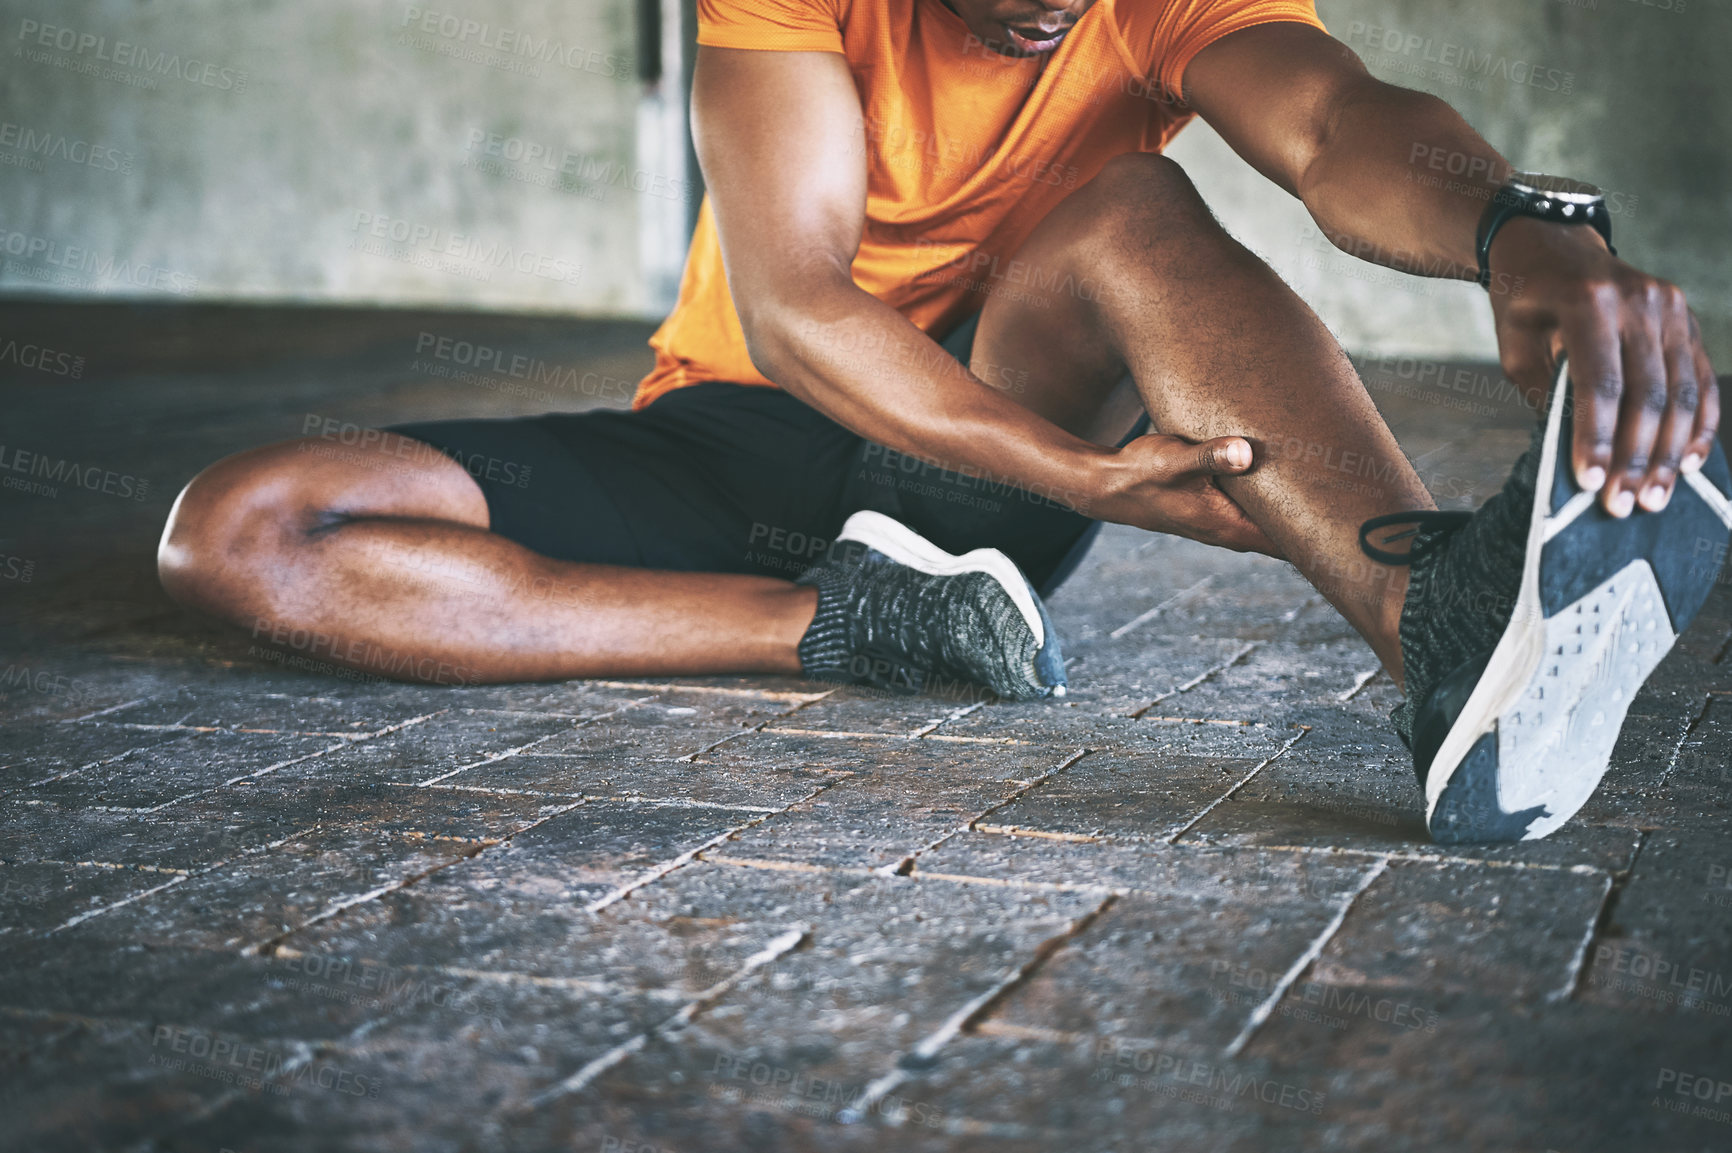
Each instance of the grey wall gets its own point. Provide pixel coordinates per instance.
(260, 173)
(338, 150)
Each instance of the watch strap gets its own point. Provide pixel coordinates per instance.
(1509, 202)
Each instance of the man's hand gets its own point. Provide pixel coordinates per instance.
(1646, 402)
(1167, 484)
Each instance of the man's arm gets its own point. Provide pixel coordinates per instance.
(1301, 108)
(781, 138)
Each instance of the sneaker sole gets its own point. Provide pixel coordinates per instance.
(907, 547)
(1602, 601)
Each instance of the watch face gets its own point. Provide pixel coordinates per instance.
(1559, 188)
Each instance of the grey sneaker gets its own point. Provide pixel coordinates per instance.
(1529, 627)
(898, 612)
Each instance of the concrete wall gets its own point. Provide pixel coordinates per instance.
(308, 126)
(461, 152)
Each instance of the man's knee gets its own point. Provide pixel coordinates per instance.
(240, 521)
(1145, 194)
(1144, 169)
(223, 522)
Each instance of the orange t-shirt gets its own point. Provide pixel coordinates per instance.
(966, 150)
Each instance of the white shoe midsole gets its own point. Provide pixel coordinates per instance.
(1517, 654)
(1555, 742)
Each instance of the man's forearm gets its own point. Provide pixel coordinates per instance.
(860, 362)
(1402, 180)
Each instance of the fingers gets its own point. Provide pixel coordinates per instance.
(1640, 410)
(1707, 425)
(1590, 338)
(1174, 460)
(1253, 539)
(1180, 495)
(1643, 393)
(1223, 456)
(1678, 419)
(1223, 522)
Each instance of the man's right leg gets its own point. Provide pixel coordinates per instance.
(381, 559)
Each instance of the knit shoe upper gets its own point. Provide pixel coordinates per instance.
(1462, 587)
(897, 612)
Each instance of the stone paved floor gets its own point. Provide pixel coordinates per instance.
(248, 907)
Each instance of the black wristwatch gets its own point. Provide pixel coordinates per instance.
(1555, 198)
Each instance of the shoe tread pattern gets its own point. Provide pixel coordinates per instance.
(1555, 742)
(1468, 812)
(1684, 544)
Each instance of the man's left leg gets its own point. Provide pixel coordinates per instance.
(1143, 279)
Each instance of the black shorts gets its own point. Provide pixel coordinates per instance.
(723, 477)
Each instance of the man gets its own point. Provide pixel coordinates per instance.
(987, 172)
